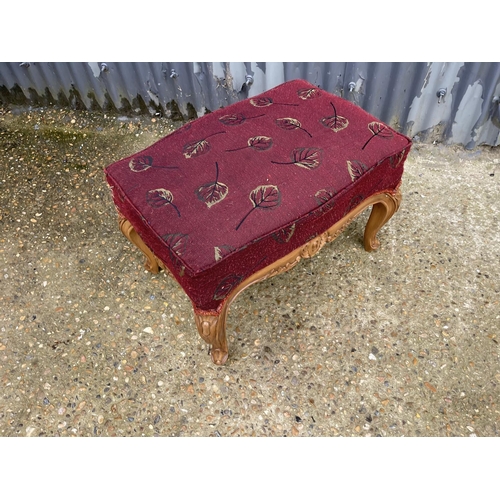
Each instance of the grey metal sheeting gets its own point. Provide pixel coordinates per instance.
(405, 95)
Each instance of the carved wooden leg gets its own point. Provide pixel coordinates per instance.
(212, 330)
(128, 230)
(382, 210)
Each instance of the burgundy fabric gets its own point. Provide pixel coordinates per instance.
(235, 190)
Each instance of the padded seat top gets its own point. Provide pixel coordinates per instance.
(253, 171)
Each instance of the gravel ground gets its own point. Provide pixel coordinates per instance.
(400, 342)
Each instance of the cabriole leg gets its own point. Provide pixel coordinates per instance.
(212, 330)
(381, 212)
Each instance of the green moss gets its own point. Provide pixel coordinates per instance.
(192, 114)
(61, 135)
(75, 99)
(174, 111)
(94, 104)
(125, 107)
(15, 95)
(157, 108)
(138, 103)
(109, 106)
(62, 99)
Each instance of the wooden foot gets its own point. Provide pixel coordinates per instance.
(384, 207)
(212, 329)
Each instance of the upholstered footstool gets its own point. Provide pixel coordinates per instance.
(244, 193)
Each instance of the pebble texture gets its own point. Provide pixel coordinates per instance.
(399, 342)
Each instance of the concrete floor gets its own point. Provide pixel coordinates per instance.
(400, 342)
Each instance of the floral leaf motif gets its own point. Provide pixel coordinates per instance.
(263, 197)
(212, 192)
(229, 283)
(355, 201)
(197, 148)
(159, 197)
(335, 122)
(325, 196)
(396, 161)
(236, 119)
(177, 243)
(222, 251)
(290, 124)
(142, 163)
(284, 235)
(259, 143)
(309, 158)
(308, 93)
(225, 287)
(356, 169)
(378, 130)
(263, 102)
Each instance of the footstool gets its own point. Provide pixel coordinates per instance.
(244, 193)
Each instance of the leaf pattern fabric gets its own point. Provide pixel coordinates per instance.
(226, 286)
(229, 283)
(177, 242)
(308, 93)
(237, 119)
(143, 163)
(263, 198)
(212, 192)
(379, 130)
(256, 178)
(261, 102)
(397, 160)
(160, 197)
(325, 196)
(335, 122)
(266, 197)
(284, 235)
(196, 148)
(356, 169)
(355, 201)
(291, 124)
(200, 147)
(140, 163)
(264, 102)
(258, 143)
(308, 158)
(223, 251)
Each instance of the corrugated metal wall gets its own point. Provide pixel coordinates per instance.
(457, 103)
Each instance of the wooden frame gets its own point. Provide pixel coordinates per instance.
(212, 326)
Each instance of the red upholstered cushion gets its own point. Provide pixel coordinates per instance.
(239, 188)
